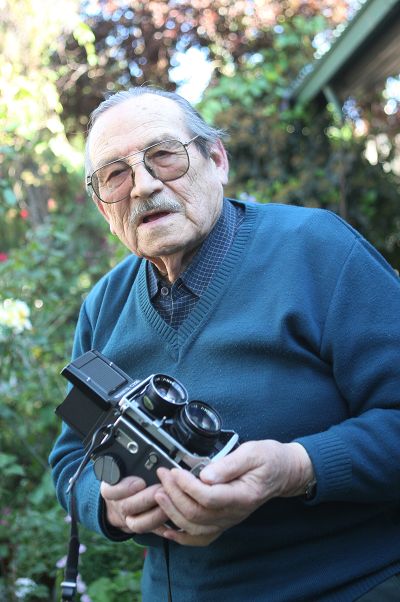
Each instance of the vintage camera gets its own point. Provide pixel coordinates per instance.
(149, 423)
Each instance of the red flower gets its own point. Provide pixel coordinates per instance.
(24, 213)
(3, 257)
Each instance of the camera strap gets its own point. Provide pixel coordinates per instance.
(69, 585)
(166, 555)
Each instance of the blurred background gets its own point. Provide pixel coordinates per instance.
(309, 93)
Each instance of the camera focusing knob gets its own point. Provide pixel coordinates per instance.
(107, 468)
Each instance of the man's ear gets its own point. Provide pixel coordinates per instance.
(100, 207)
(220, 158)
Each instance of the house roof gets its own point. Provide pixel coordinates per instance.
(364, 56)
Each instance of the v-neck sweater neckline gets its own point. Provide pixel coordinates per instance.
(177, 338)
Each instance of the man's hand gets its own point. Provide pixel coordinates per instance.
(230, 489)
(131, 506)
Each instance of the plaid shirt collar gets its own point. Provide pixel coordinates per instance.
(198, 274)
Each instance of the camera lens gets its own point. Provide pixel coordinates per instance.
(164, 396)
(202, 418)
(198, 427)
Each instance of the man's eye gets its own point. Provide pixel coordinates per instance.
(113, 177)
(117, 173)
(161, 154)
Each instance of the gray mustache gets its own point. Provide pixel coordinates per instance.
(154, 204)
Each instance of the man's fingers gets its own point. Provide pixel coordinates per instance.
(202, 494)
(185, 539)
(169, 480)
(187, 510)
(170, 509)
(195, 501)
(170, 498)
(125, 488)
(131, 506)
(199, 501)
(180, 520)
(140, 502)
(230, 467)
(148, 521)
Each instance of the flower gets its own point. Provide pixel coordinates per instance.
(61, 563)
(24, 587)
(3, 257)
(24, 213)
(80, 585)
(14, 314)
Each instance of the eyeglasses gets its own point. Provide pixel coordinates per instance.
(165, 161)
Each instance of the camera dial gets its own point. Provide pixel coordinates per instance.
(198, 426)
(108, 468)
(164, 396)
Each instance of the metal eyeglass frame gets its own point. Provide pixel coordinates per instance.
(144, 151)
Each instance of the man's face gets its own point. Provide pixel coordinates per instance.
(185, 209)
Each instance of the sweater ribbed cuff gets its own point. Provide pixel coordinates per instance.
(332, 465)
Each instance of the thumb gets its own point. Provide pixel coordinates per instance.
(230, 467)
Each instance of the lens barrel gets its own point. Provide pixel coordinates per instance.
(198, 427)
(164, 396)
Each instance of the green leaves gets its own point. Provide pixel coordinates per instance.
(121, 586)
(54, 245)
(309, 155)
(9, 466)
(50, 273)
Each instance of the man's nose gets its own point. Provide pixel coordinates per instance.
(144, 183)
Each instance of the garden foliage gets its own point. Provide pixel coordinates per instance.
(54, 67)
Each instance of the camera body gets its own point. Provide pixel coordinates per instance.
(151, 422)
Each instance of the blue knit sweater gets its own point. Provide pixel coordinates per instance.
(296, 338)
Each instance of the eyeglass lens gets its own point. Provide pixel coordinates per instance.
(166, 161)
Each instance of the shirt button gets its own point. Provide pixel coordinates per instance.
(164, 291)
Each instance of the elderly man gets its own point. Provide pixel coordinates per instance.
(286, 321)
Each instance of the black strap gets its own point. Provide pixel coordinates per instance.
(69, 585)
(166, 554)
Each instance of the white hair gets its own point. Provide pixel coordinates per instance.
(207, 135)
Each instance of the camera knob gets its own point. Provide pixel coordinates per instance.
(107, 468)
(151, 461)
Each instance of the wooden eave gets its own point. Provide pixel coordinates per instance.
(364, 56)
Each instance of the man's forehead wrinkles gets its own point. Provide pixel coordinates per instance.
(130, 149)
(132, 126)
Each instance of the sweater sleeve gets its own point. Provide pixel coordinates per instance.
(358, 460)
(68, 453)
